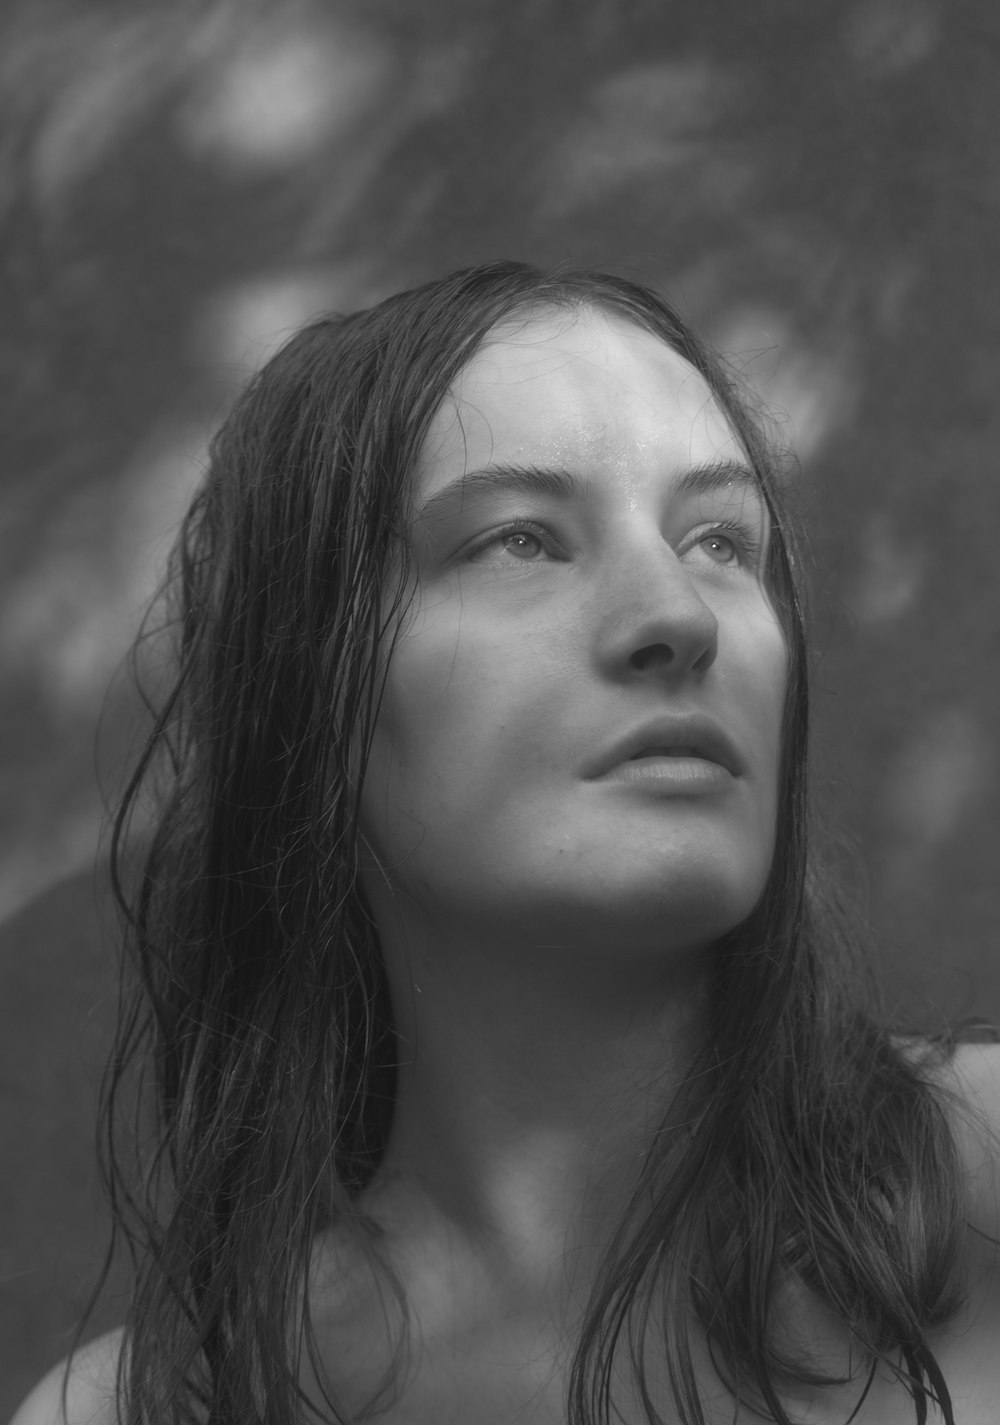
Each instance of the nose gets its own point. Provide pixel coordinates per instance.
(652, 620)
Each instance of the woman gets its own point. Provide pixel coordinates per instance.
(508, 1062)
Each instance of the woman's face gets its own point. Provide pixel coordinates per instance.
(579, 740)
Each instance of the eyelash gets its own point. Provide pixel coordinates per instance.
(525, 526)
(746, 543)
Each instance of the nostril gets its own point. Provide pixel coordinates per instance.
(653, 655)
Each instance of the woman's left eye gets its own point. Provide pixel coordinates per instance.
(720, 547)
(521, 543)
(733, 545)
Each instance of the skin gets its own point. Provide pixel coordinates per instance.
(545, 922)
(528, 655)
(545, 925)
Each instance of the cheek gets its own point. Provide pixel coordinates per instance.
(465, 731)
(760, 652)
(758, 648)
(433, 702)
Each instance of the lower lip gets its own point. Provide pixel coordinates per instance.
(678, 775)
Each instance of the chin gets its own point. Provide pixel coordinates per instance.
(648, 916)
(662, 923)
(688, 888)
(599, 899)
(687, 905)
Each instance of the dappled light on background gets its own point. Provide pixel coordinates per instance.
(944, 764)
(814, 187)
(808, 394)
(887, 37)
(212, 178)
(889, 571)
(55, 618)
(651, 122)
(51, 849)
(284, 92)
(241, 327)
(70, 617)
(65, 626)
(937, 856)
(84, 82)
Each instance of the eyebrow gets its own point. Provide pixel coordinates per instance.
(706, 479)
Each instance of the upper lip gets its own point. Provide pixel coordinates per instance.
(689, 732)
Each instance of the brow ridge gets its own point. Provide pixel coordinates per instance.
(556, 482)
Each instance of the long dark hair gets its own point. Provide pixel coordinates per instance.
(813, 1150)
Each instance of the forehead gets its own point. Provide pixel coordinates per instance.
(584, 390)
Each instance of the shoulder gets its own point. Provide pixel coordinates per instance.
(966, 1344)
(971, 1080)
(90, 1388)
(977, 1069)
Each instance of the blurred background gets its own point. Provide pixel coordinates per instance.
(816, 184)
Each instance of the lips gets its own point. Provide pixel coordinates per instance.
(664, 752)
(678, 736)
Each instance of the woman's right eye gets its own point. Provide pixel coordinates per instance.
(517, 543)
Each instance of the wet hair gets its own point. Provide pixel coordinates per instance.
(814, 1151)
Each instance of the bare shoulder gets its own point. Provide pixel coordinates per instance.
(977, 1066)
(966, 1344)
(90, 1388)
(972, 1078)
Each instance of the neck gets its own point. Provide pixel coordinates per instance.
(531, 1082)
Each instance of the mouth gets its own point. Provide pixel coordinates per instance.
(681, 737)
(668, 752)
